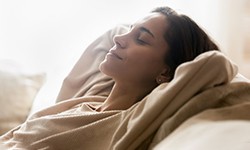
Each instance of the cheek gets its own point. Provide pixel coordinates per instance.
(147, 64)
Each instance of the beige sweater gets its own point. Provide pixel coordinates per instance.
(72, 124)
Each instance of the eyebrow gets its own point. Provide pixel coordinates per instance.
(143, 29)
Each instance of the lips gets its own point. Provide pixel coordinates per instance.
(115, 54)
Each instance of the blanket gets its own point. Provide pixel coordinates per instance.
(72, 124)
(223, 123)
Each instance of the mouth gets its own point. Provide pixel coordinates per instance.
(114, 54)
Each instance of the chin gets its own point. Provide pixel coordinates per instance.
(110, 69)
(103, 67)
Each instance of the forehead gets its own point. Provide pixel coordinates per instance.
(155, 22)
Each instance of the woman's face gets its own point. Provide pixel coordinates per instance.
(138, 55)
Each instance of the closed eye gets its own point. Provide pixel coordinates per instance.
(139, 31)
(141, 42)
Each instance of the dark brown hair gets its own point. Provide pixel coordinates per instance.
(185, 39)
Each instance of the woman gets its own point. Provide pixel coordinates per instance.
(141, 59)
(149, 53)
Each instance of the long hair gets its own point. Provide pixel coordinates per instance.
(185, 39)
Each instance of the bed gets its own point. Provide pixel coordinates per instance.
(205, 106)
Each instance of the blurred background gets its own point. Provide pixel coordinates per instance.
(50, 35)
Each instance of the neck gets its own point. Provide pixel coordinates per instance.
(123, 97)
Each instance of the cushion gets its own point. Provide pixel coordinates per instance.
(18, 88)
(211, 130)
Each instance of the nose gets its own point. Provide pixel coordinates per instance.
(120, 41)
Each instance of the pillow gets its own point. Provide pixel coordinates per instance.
(214, 129)
(18, 88)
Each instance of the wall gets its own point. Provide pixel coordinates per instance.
(228, 22)
(238, 29)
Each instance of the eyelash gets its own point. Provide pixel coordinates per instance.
(141, 42)
(138, 40)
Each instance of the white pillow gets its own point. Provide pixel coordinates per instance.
(18, 89)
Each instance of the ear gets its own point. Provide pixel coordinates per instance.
(163, 76)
